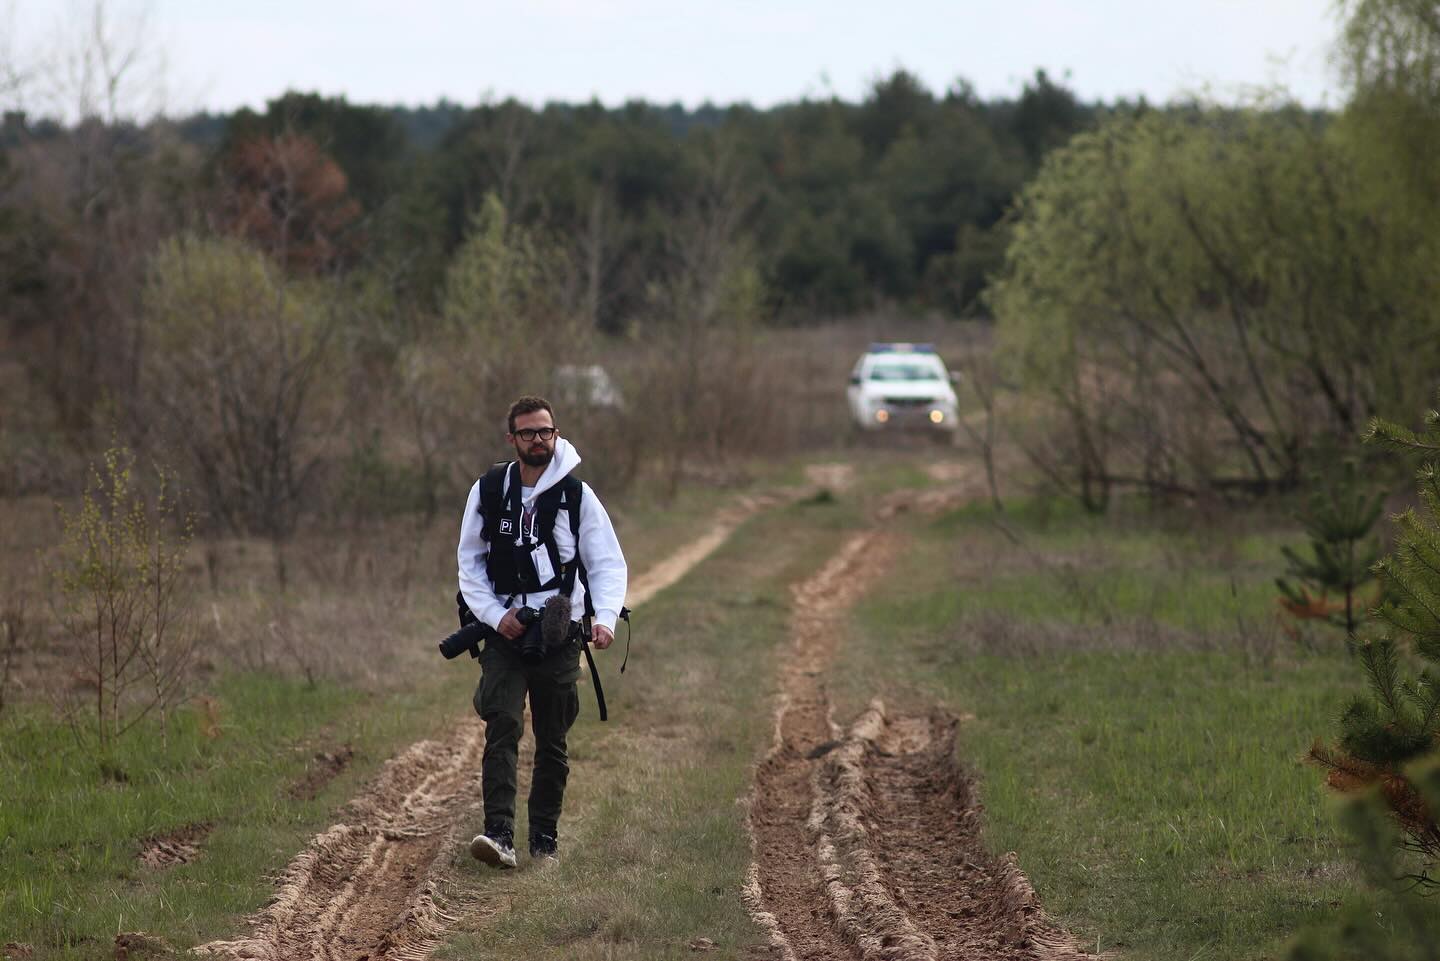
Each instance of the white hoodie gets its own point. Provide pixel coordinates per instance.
(600, 550)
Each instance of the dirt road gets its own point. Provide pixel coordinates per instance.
(368, 888)
(866, 840)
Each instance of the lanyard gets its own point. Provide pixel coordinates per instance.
(519, 515)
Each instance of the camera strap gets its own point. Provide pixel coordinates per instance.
(590, 663)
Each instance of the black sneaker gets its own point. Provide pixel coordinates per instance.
(496, 847)
(544, 849)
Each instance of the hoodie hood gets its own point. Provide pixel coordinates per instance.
(566, 459)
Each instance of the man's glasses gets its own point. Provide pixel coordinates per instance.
(527, 434)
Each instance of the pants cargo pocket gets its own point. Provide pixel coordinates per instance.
(501, 690)
(567, 666)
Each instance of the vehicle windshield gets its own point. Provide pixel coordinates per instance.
(892, 371)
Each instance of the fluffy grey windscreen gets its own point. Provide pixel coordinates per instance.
(555, 621)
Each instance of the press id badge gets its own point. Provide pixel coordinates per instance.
(541, 559)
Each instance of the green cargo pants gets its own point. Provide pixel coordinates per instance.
(505, 680)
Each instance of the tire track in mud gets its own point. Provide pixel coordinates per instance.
(364, 888)
(370, 887)
(867, 842)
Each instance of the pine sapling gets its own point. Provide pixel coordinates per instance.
(1390, 736)
(1338, 518)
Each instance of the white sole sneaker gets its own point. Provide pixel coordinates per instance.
(491, 852)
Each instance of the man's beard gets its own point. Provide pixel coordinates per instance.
(530, 459)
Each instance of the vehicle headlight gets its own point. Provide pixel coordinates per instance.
(882, 415)
(937, 416)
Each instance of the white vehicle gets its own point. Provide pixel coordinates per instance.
(899, 385)
(586, 385)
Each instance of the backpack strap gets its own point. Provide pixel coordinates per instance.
(579, 570)
(574, 492)
(492, 499)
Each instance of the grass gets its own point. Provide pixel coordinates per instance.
(1147, 776)
(1138, 722)
(73, 823)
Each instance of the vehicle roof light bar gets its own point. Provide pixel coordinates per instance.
(901, 348)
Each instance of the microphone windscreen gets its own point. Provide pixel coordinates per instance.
(555, 621)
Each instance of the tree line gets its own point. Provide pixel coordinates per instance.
(228, 282)
(896, 197)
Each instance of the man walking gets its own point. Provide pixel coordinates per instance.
(534, 539)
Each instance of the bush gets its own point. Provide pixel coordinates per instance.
(122, 601)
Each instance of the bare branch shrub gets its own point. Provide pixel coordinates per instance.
(100, 61)
(81, 207)
(307, 659)
(982, 379)
(14, 626)
(121, 599)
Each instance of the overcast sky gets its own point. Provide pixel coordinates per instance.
(221, 54)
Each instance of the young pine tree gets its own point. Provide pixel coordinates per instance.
(1387, 738)
(1398, 922)
(1338, 518)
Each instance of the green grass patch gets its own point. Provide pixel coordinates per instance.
(72, 823)
(1176, 571)
(1152, 789)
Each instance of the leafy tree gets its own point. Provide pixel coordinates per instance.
(1046, 116)
(1390, 131)
(897, 106)
(367, 142)
(504, 291)
(1219, 272)
(238, 356)
(292, 201)
(1388, 759)
(503, 280)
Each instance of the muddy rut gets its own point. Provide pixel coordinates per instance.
(370, 887)
(867, 841)
(364, 888)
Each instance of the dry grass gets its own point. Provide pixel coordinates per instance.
(362, 604)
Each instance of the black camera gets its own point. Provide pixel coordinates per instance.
(546, 631)
(531, 644)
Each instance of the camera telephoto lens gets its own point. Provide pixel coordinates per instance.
(468, 638)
